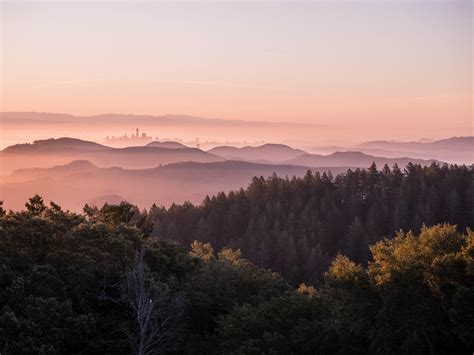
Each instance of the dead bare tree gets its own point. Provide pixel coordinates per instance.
(157, 312)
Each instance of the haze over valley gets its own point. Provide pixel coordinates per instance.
(74, 172)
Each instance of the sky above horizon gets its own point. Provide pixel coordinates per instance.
(375, 65)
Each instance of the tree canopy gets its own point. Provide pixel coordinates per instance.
(296, 226)
(387, 258)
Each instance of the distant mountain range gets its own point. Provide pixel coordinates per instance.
(279, 153)
(45, 153)
(72, 171)
(115, 118)
(28, 126)
(458, 150)
(453, 143)
(454, 149)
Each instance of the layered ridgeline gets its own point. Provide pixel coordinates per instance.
(74, 172)
(455, 150)
(452, 150)
(280, 153)
(46, 153)
(98, 283)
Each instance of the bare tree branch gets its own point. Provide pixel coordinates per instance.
(157, 312)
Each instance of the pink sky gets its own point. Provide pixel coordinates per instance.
(377, 65)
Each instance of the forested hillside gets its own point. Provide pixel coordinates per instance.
(98, 283)
(296, 226)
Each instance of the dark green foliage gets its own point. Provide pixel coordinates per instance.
(416, 297)
(289, 324)
(419, 280)
(59, 273)
(70, 283)
(66, 284)
(222, 283)
(296, 226)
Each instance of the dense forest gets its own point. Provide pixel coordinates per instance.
(387, 256)
(97, 283)
(296, 226)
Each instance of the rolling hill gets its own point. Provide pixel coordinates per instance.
(45, 153)
(453, 149)
(266, 152)
(74, 184)
(167, 144)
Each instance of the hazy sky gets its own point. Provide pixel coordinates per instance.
(344, 63)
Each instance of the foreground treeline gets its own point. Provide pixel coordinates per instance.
(296, 226)
(97, 283)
